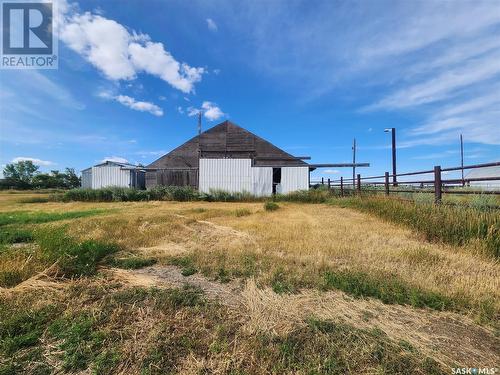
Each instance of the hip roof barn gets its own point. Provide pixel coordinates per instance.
(228, 157)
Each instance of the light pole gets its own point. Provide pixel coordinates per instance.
(393, 132)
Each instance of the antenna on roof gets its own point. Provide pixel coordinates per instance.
(199, 123)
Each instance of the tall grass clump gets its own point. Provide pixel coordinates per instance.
(118, 194)
(319, 195)
(455, 225)
(271, 206)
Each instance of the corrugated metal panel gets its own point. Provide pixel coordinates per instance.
(104, 176)
(87, 179)
(234, 175)
(294, 178)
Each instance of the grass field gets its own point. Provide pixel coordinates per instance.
(241, 288)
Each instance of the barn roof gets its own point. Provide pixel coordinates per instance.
(226, 140)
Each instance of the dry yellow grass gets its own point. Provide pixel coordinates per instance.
(299, 240)
(304, 238)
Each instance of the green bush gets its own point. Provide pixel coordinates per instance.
(271, 206)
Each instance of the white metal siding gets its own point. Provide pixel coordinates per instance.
(235, 175)
(105, 175)
(87, 179)
(294, 178)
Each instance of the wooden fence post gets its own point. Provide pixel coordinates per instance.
(329, 184)
(359, 182)
(341, 186)
(438, 187)
(322, 180)
(386, 183)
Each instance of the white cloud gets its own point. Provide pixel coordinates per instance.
(134, 104)
(116, 159)
(212, 26)
(44, 163)
(331, 171)
(211, 111)
(191, 111)
(180, 110)
(442, 86)
(121, 54)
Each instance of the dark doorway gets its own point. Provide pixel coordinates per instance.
(276, 178)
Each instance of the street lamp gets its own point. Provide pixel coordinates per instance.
(393, 131)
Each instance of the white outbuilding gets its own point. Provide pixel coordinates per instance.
(485, 173)
(112, 173)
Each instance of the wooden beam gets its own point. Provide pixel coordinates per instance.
(280, 158)
(340, 165)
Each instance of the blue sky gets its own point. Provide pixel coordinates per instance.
(308, 76)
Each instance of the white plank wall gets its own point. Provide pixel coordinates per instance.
(294, 178)
(104, 176)
(235, 175)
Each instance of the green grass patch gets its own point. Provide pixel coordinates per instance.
(80, 343)
(11, 278)
(34, 200)
(20, 329)
(186, 264)
(271, 206)
(74, 258)
(242, 212)
(389, 289)
(38, 217)
(10, 235)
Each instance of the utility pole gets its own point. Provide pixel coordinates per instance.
(199, 123)
(462, 158)
(353, 163)
(393, 133)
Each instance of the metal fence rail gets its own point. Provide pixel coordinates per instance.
(437, 184)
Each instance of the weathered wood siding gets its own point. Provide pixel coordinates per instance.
(172, 177)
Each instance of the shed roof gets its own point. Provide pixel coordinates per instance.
(110, 162)
(226, 140)
(484, 172)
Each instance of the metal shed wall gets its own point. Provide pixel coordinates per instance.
(294, 178)
(87, 178)
(235, 175)
(106, 175)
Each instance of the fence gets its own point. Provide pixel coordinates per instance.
(435, 184)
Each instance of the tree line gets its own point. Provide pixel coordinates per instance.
(26, 175)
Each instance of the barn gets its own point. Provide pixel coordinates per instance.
(230, 158)
(111, 173)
